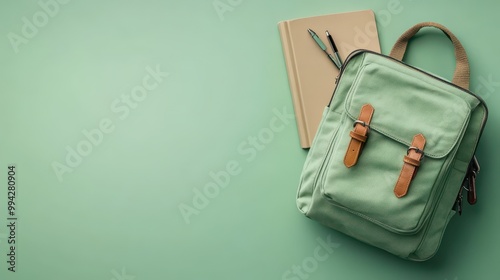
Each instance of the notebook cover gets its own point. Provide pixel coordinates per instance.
(311, 74)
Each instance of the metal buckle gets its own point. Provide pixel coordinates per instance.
(361, 123)
(417, 150)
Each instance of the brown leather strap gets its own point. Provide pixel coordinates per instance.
(358, 135)
(462, 72)
(410, 165)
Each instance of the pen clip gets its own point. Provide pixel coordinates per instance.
(332, 43)
(337, 60)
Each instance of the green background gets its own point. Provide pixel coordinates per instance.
(116, 215)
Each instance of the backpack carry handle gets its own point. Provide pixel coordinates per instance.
(462, 72)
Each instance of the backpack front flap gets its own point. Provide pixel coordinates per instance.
(406, 104)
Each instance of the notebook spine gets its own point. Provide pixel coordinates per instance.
(294, 83)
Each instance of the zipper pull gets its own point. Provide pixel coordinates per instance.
(337, 79)
(458, 203)
(474, 170)
(468, 184)
(471, 194)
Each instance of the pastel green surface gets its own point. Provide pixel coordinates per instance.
(218, 122)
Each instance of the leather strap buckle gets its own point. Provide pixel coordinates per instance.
(361, 123)
(359, 135)
(416, 149)
(411, 162)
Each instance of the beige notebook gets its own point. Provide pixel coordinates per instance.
(311, 73)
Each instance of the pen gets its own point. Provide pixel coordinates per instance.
(335, 51)
(322, 46)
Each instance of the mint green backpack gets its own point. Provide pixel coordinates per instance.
(394, 151)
